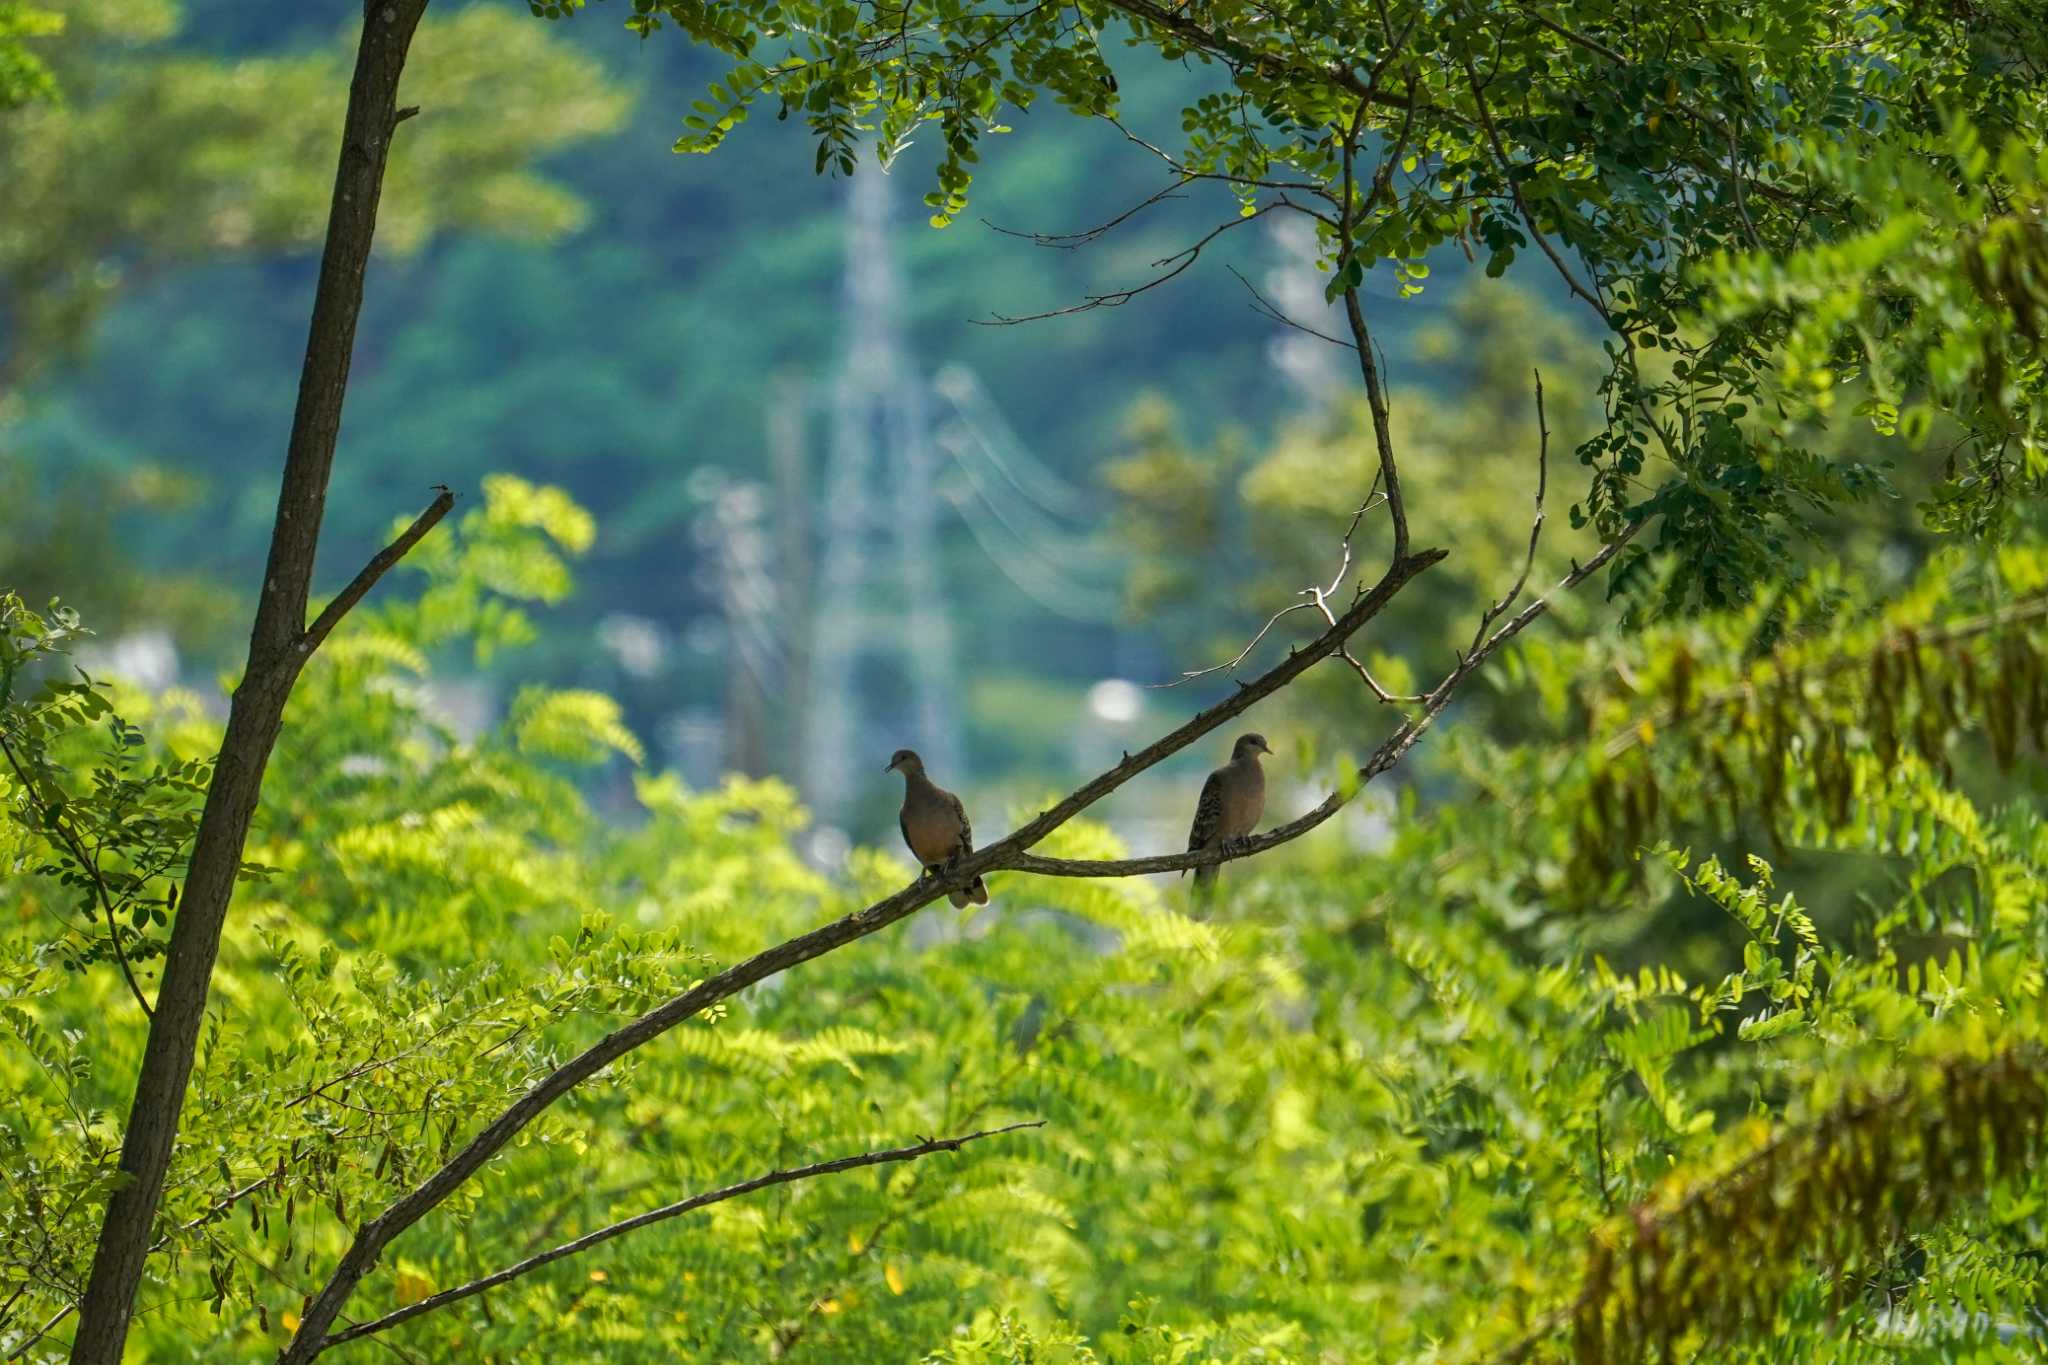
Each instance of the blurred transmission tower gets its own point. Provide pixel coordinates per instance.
(882, 675)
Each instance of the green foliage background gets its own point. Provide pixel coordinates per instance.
(1684, 996)
(656, 299)
(1378, 1100)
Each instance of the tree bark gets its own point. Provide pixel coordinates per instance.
(279, 645)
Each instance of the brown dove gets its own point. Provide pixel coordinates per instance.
(935, 826)
(1232, 801)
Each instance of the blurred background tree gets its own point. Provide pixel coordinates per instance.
(156, 162)
(151, 347)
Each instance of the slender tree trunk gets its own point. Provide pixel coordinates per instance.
(279, 645)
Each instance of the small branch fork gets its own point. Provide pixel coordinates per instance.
(619, 1229)
(1389, 753)
(1319, 600)
(1265, 308)
(1170, 267)
(359, 586)
(1494, 612)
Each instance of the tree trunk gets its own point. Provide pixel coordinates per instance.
(279, 645)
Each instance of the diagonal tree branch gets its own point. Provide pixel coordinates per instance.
(1319, 601)
(1507, 171)
(1389, 753)
(345, 600)
(1354, 311)
(667, 1211)
(371, 1239)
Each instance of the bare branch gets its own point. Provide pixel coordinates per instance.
(1074, 241)
(1265, 309)
(667, 1211)
(1171, 266)
(1322, 595)
(1230, 664)
(1322, 604)
(361, 584)
(1354, 312)
(1494, 612)
(1317, 594)
(1185, 175)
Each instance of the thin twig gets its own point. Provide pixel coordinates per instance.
(1181, 170)
(55, 820)
(1507, 171)
(43, 1331)
(372, 571)
(1315, 593)
(667, 1211)
(1169, 266)
(1073, 241)
(1494, 612)
(1265, 308)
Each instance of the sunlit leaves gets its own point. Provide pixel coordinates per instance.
(23, 75)
(1410, 1097)
(1623, 153)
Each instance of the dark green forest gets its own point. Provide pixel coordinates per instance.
(663, 308)
(485, 489)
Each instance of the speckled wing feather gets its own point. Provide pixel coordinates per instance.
(1208, 817)
(976, 891)
(966, 830)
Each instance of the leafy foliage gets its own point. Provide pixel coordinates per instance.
(114, 842)
(1629, 150)
(1532, 1077)
(1410, 1098)
(1937, 302)
(23, 74)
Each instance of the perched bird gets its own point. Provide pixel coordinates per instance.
(1232, 801)
(935, 825)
